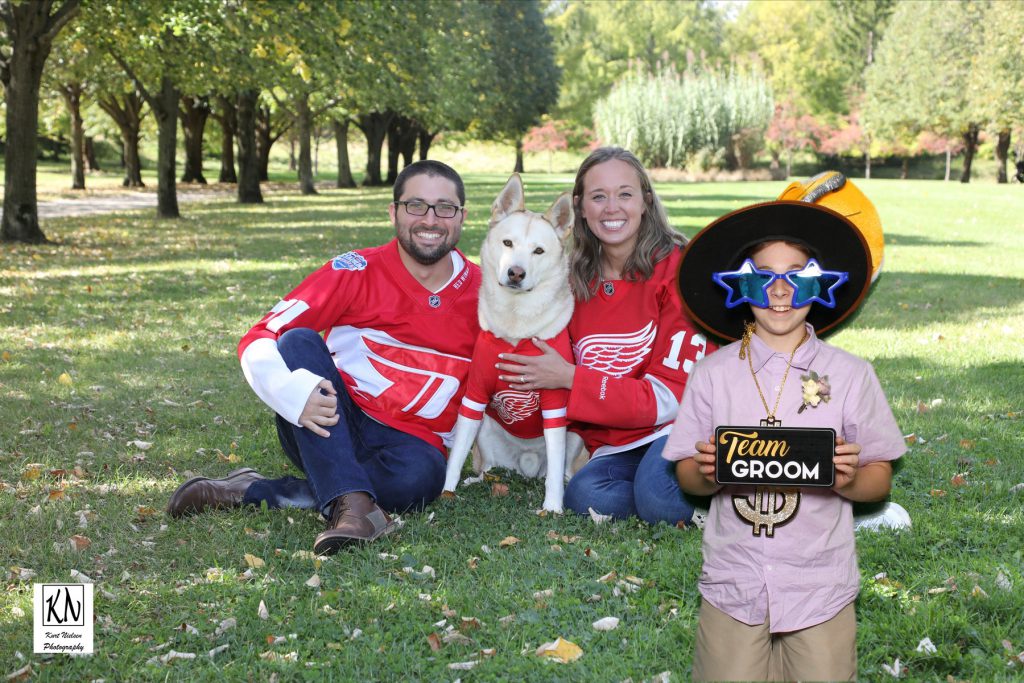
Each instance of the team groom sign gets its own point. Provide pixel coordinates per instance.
(775, 456)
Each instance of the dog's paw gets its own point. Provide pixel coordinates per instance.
(447, 495)
(551, 506)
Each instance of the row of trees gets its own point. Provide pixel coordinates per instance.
(400, 72)
(858, 78)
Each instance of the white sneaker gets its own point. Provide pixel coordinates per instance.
(890, 516)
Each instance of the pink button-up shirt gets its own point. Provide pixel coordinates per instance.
(805, 570)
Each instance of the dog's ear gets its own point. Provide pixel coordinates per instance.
(560, 215)
(510, 199)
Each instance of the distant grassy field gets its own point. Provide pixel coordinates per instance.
(118, 378)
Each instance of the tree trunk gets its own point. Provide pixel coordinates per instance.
(29, 30)
(72, 94)
(407, 145)
(1002, 152)
(127, 114)
(867, 165)
(905, 168)
(91, 163)
(519, 156)
(949, 162)
(305, 132)
(395, 130)
(248, 159)
(165, 108)
(341, 141)
(228, 122)
(263, 141)
(193, 121)
(375, 127)
(970, 147)
(426, 138)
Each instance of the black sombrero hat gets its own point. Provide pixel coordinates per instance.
(836, 242)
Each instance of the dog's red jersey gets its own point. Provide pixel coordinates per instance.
(634, 349)
(525, 414)
(402, 351)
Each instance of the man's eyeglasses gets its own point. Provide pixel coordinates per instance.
(750, 285)
(441, 209)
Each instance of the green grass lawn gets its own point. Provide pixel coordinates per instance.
(118, 379)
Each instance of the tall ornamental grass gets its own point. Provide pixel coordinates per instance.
(667, 117)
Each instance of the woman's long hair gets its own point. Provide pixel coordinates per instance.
(655, 238)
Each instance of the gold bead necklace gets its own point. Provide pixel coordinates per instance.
(748, 332)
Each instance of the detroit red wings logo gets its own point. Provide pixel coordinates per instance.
(393, 376)
(616, 354)
(514, 406)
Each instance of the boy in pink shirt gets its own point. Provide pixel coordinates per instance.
(780, 568)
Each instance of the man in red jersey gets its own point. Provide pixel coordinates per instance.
(366, 410)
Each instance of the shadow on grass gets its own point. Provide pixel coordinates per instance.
(895, 239)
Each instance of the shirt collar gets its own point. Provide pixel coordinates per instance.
(761, 353)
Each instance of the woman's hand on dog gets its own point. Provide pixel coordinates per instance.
(546, 371)
(321, 409)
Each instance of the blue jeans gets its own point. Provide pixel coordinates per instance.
(400, 471)
(634, 483)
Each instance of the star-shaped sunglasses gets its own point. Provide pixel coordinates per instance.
(750, 285)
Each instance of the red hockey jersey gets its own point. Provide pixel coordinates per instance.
(402, 351)
(634, 348)
(525, 414)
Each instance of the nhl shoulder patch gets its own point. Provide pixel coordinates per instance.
(349, 261)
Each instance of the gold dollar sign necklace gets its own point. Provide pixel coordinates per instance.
(748, 332)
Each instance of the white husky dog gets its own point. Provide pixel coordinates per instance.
(524, 295)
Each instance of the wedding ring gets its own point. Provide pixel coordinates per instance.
(522, 379)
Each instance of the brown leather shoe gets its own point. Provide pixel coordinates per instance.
(199, 493)
(355, 518)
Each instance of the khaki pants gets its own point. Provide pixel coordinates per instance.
(729, 650)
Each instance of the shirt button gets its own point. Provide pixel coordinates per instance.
(769, 567)
(778, 388)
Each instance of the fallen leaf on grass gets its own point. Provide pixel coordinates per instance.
(80, 577)
(555, 536)
(262, 611)
(470, 624)
(65, 379)
(966, 444)
(896, 670)
(926, 646)
(456, 638)
(32, 471)
(508, 541)
(253, 561)
(276, 640)
(937, 493)
(22, 674)
(609, 577)
(174, 656)
(434, 641)
(55, 494)
(473, 562)
(463, 666)
(499, 490)
(606, 624)
(546, 593)
(507, 619)
(597, 517)
(978, 592)
(910, 439)
(79, 543)
(1017, 488)
(560, 650)
(187, 628)
(1003, 582)
(225, 625)
(959, 479)
(217, 650)
(141, 445)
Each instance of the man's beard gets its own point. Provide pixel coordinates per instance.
(425, 256)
